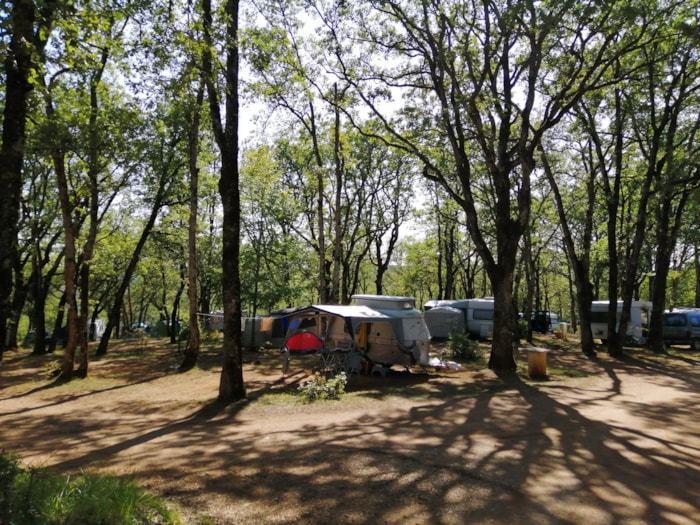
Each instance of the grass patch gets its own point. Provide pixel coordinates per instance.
(37, 496)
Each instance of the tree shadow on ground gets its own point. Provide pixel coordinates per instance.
(433, 448)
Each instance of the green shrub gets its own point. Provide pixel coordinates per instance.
(460, 346)
(52, 369)
(522, 329)
(321, 388)
(36, 496)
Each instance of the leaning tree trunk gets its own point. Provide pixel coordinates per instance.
(115, 312)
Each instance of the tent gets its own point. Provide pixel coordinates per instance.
(304, 342)
(443, 321)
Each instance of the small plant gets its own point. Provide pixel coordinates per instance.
(461, 347)
(322, 388)
(52, 369)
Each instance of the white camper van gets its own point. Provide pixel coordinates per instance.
(637, 327)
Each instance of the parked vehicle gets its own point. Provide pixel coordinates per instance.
(682, 327)
(476, 318)
(637, 327)
(544, 321)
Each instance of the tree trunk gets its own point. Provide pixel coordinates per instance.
(193, 342)
(337, 216)
(115, 312)
(504, 322)
(17, 68)
(69, 270)
(231, 385)
(579, 264)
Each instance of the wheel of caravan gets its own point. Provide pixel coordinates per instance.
(695, 345)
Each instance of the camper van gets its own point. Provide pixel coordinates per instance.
(386, 330)
(473, 316)
(637, 327)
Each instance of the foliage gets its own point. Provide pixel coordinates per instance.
(29, 496)
(322, 388)
(522, 328)
(52, 369)
(462, 347)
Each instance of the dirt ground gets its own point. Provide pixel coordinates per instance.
(600, 442)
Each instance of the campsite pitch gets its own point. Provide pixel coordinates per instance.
(599, 442)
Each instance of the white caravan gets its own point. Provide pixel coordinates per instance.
(637, 327)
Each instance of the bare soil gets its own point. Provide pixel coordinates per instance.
(601, 441)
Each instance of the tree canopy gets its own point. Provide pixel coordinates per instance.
(540, 153)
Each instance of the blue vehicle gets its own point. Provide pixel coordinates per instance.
(682, 327)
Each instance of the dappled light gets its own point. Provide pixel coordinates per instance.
(600, 441)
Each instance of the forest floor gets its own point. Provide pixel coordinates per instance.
(601, 441)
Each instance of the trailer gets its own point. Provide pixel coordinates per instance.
(381, 330)
(476, 317)
(637, 327)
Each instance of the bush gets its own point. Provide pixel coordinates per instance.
(321, 388)
(52, 369)
(522, 329)
(461, 347)
(36, 496)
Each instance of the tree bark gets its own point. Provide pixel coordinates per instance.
(17, 66)
(231, 385)
(193, 342)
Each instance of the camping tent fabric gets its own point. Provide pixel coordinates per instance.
(443, 321)
(304, 342)
(355, 315)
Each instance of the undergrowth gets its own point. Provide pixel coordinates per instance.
(321, 388)
(32, 496)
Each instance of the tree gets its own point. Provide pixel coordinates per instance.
(666, 134)
(499, 76)
(86, 151)
(192, 350)
(162, 188)
(29, 28)
(577, 231)
(231, 386)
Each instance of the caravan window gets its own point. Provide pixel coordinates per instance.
(601, 317)
(483, 315)
(304, 323)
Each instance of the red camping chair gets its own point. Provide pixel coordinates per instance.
(300, 343)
